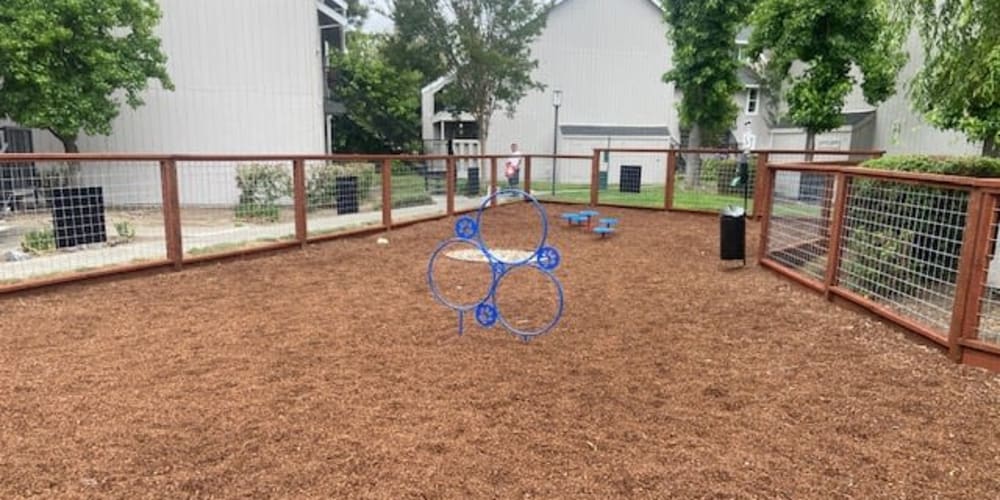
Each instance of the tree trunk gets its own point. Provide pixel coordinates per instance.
(692, 170)
(70, 147)
(810, 145)
(990, 146)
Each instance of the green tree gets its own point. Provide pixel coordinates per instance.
(411, 46)
(958, 87)
(703, 33)
(357, 13)
(382, 101)
(65, 65)
(485, 44)
(829, 39)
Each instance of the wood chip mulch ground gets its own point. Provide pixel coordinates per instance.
(332, 373)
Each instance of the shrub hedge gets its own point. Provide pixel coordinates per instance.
(907, 237)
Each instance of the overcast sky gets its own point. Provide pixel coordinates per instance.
(377, 22)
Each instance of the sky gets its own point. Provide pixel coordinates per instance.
(376, 22)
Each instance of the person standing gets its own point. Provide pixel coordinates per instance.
(512, 168)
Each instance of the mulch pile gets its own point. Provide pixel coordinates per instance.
(332, 373)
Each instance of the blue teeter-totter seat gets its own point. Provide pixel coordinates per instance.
(604, 230)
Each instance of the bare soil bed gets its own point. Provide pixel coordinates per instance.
(332, 373)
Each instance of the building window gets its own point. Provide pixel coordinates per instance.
(753, 100)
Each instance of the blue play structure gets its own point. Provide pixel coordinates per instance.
(544, 259)
(585, 218)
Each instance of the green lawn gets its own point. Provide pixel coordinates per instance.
(651, 196)
(407, 186)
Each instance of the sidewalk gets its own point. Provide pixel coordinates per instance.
(152, 246)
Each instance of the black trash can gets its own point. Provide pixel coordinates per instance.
(732, 234)
(347, 195)
(78, 216)
(472, 182)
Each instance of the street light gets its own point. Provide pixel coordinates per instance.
(556, 102)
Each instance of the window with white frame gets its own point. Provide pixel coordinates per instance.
(742, 52)
(753, 100)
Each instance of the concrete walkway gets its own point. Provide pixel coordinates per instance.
(150, 243)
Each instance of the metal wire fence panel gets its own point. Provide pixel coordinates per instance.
(419, 189)
(710, 181)
(561, 179)
(901, 246)
(473, 178)
(633, 179)
(227, 205)
(799, 231)
(342, 196)
(989, 314)
(64, 218)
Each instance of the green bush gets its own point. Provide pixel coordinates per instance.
(966, 166)
(261, 186)
(321, 183)
(723, 171)
(874, 256)
(125, 230)
(409, 199)
(38, 241)
(710, 169)
(905, 233)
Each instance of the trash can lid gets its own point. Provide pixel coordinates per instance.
(731, 211)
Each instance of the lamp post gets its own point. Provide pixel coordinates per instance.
(556, 102)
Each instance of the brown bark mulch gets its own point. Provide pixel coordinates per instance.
(331, 373)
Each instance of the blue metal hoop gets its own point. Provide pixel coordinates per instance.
(532, 333)
(436, 292)
(538, 207)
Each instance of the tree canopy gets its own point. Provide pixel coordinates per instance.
(66, 65)
(485, 44)
(958, 87)
(703, 33)
(382, 101)
(705, 63)
(830, 39)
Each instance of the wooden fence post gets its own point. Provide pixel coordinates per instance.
(971, 266)
(301, 201)
(595, 169)
(841, 184)
(493, 180)
(668, 194)
(760, 182)
(527, 174)
(171, 212)
(450, 173)
(765, 209)
(387, 193)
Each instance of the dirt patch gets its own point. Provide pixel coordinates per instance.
(332, 373)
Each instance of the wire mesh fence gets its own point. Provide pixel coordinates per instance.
(472, 181)
(632, 178)
(711, 181)
(799, 230)
(342, 196)
(59, 218)
(989, 314)
(418, 189)
(561, 179)
(234, 205)
(901, 246)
